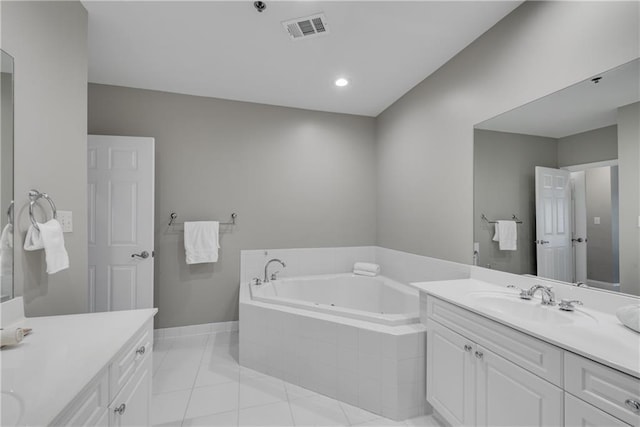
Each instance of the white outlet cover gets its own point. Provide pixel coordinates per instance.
(596, 220)
(65, 218)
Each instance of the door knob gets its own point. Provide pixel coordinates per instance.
(542, 242)
(579, 240)
(143, 255)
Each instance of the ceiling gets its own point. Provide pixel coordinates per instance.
(226, 49)
(578, 108)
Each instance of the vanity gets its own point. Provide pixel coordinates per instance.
(85, 369)
(495, 359)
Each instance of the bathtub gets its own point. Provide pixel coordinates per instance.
(373, 299)
(353, 338)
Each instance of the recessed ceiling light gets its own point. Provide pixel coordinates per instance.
(342, 82)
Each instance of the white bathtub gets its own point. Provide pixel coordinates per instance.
(374, 299)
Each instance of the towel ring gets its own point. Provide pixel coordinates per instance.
(34, 196)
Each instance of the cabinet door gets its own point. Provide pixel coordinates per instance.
(450, 374)
(578, 413)
(508, 395)
(132, 405)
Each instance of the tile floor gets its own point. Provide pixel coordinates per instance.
(197, 382)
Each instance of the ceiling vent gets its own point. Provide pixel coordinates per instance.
(307, 27)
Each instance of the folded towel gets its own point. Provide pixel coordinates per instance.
(506, 235)
(6, 251)
(201, 241)
(629, 315)
(366, 269)
(49, 238)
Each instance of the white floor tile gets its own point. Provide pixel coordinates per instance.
(169, 407)
(357, 415)
(255, 391)
(182, 378)
(182, 357)
(213, 400)
(274, 414)
(381, 422)
(296, 392)
(217, 374)
(318, 411)
(225, 419)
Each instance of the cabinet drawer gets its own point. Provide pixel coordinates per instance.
(134, 353)
(532, 354)
(579, 414)
(603, 387)
(90, 408)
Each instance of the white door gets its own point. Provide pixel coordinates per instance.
(579, 229)
(450, 375)
(553, 224)
(121, 198)
(508, 395)
(578, 413)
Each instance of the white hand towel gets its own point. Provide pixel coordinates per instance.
(6, 251)
(33, 241)
(201, 242)
(366, 269)
(54, 250)
(506, 235)
(629, 315)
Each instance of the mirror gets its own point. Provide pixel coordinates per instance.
(6, 177)
(564, 168)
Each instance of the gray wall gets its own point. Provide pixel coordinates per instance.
(587, 147)
(601, 257)
(504, 184)
(425, 139)
(49, 43)
(296, 178)
(629, 177)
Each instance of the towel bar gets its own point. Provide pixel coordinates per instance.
(34, 196)
(174, 216)
(490, 221)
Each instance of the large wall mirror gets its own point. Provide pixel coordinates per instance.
(557, 187)
(6, 177)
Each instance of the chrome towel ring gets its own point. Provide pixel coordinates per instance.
(34, 196)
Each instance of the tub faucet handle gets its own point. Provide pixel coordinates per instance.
(256, 281)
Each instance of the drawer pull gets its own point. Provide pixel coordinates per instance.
(634, 405)
(120, 409)
(141, 351)
(467, 347)
(479, 354)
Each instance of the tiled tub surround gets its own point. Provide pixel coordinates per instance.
(374, 366)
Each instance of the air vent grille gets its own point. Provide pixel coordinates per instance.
(308, 26)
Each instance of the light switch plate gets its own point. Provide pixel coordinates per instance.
(596, 220)
(65, 218)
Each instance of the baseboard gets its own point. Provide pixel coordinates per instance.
(185, 331)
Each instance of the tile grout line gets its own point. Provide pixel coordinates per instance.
(204, 347)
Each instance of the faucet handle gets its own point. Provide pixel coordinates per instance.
(568, 305)
(256, 281)
(524, 294)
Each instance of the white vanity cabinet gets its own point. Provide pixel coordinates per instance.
(471, 385)
(484, 373)
(121, 394)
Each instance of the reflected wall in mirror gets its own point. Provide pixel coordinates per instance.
(6, 177)
(567, 166)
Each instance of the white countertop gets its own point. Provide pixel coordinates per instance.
(606, 340)
(62, 355)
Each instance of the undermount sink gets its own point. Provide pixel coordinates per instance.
(527, 310)
(12, 409)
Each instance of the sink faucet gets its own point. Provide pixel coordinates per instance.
(266, 266)
(548, 297)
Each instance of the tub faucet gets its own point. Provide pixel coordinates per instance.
(266, 266)
(548, 297)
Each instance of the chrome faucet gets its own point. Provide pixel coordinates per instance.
(548, 297)
(266, 266)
